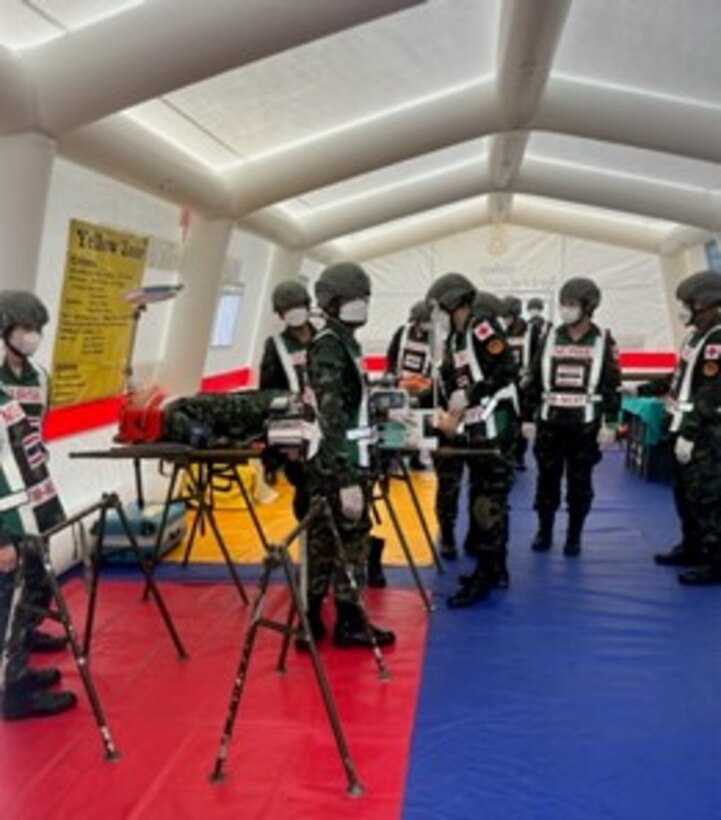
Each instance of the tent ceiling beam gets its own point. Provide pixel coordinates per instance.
(529, 33)
(136, 56)
(635, 195)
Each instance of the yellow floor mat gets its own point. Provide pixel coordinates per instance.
(277, 519)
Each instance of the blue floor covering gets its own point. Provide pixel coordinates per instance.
(590, 690)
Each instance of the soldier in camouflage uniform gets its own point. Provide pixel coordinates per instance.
(538, 329)
(409, 355)
(574, 396)
(409, 362)
(29, 505)
(338, 451)
(283, 367)
(480, 385)
(22, 319)
(449, 469)
(516, 331)
(695, 425)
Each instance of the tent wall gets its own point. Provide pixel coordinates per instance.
(638, 292)
(509, 259)
(77, 193)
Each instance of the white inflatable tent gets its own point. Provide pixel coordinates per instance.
(518, 141)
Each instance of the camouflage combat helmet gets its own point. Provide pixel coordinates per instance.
(420, 312)
(21, 307)
(450, 291)
(702, 290)
(485, 302)
(342, 282)
(534, 303)
(512, 306)
(582, 290)
(288, 295)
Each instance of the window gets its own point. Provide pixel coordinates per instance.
(713, 255)
(226, 316)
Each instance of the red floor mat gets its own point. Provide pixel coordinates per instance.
(167, 716)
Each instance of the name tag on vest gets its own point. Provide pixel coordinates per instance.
(572, 352)
(570, 375)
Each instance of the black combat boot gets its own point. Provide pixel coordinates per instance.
(682, 555)
(41, 678)
(350, 631)
(501, 576)
(448, 541)
(474, 588)
(22, 702)
(705, 575)
(573, 534)
(315, 620)
(375, 576)
(543, 540)
(45, 642)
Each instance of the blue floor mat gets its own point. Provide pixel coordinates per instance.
(591, 689)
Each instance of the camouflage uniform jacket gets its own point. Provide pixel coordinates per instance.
(482, 341)
(30, 389)
(337, 392)
(516, 338)
(28, 499)
(702, 406)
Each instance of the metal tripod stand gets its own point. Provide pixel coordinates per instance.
(81, 650)
(277, 556)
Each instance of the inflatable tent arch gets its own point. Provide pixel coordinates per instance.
(501, 137)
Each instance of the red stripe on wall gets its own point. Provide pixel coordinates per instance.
(630, 359)
(81, 418)
(223, 382)
(648, 360)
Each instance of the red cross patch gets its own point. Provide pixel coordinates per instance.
(712, 352)
(483, 331)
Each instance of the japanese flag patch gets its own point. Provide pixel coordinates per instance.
(712, 352)
(483, 331)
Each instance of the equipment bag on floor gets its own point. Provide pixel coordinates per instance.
(144, 523)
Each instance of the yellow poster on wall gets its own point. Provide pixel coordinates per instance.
(95, 323)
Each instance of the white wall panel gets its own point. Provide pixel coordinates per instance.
(398, 281)
(76, 193)
(507, 259)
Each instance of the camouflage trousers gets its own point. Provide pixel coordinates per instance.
(449, 473)
(15, 619)
(702, 483)
(691, 535)
(325, 565)
(491, 475)
(572, 449)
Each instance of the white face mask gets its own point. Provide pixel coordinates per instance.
(570, 314)
(296, 317)
(354, 312)
(685, 315)
(534, 312)
(26, 342)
